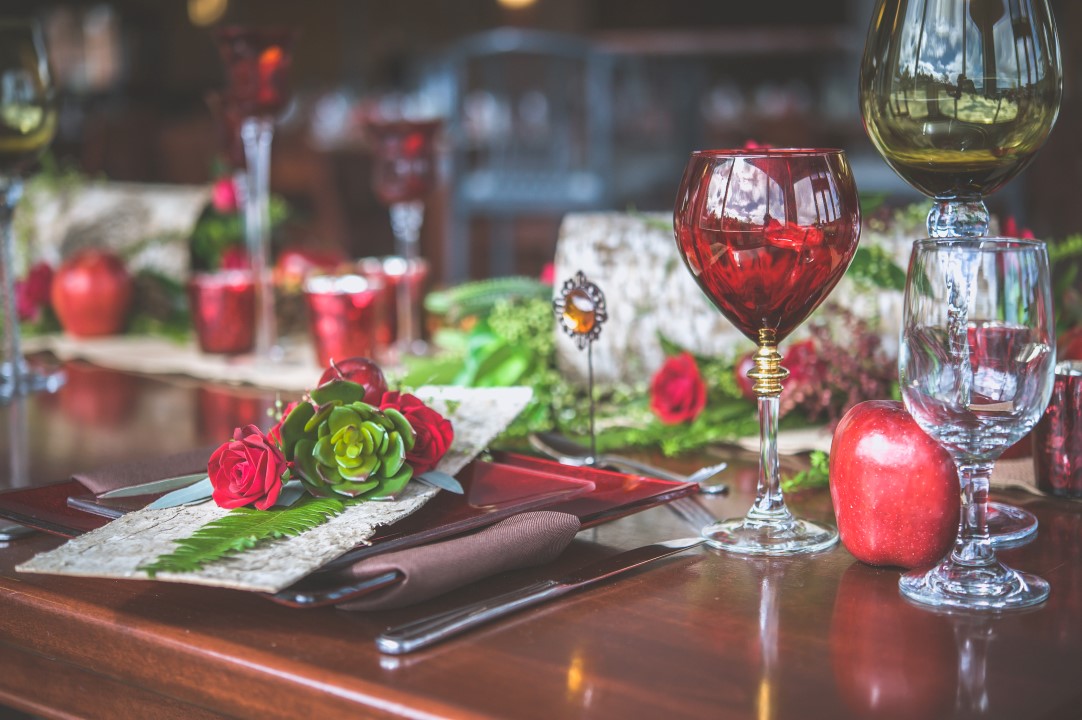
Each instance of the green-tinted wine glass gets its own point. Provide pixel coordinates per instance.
(27, 126)
(958, 96)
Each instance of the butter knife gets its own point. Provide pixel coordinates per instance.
(429, 630)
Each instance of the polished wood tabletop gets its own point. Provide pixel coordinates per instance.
(701, 635)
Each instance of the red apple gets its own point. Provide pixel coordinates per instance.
(1069, 345)
(361, 371)
(92, 293)
(895, 490)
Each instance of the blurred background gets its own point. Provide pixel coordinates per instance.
(549, 106)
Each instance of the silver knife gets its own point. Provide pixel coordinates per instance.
(434, 628)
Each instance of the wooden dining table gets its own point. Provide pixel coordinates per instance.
(703, 634)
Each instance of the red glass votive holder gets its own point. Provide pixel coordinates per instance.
(394, 271)
(1057, 439)
(223, 311)
(345, 313)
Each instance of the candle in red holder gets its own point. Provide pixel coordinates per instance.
(1057, 439)
(223, 311)
(393, 271)
(345, 313)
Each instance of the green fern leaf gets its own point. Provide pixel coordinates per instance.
(243, 529)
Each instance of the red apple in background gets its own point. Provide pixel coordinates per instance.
(895, 490)
(361, 371)
(92, 293)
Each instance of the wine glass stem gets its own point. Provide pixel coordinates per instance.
(11, 189)
(769, 503)
(958, 218)
(974, 547)
(257, 133)
(406, 220)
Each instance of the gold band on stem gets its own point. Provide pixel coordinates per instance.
(768, 373)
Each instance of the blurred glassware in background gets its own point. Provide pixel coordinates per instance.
(223, 311)
(27, 126)
(347, 316)
(257, 62)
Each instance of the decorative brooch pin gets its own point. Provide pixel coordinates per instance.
(580, 309)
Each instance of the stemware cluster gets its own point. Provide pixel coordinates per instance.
(958, 97)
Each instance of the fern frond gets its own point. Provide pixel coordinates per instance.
(243, 529)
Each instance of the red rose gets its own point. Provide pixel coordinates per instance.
(224, 196)
(235, 258)
(434, 431)
(33, 293)
(677, 391)
(247, 470)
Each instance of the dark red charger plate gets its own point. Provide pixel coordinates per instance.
(509, 485)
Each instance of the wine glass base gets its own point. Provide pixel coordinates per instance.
(749, 537)
(30, 381)
(1009, 526)
(988, 587)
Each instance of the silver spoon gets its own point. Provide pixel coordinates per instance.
(569, 452)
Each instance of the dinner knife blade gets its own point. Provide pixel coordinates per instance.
(429, 630)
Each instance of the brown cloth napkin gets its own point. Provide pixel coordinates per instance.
(525, 540)
(145, 470)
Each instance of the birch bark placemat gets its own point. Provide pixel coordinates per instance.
(118, 549)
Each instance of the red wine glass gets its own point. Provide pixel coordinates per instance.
(767, 234)
(27, 126)
(403, 174)
(257, 62)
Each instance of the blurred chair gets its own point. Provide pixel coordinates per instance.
(529, 130)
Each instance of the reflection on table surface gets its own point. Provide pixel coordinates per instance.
(702, 635)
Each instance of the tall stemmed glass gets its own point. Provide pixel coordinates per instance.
(767, 234)
(976, 366)
(257, 64)
(958, 96)
(403, 174)
(27, 126)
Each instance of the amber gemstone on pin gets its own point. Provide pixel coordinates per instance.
(580, 311)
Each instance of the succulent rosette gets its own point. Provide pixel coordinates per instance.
(340, 445)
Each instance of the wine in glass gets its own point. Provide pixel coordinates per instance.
(27, 126)
(403, 174)
(976, 367)
(767, 234)
(958, 96)
(257, 62)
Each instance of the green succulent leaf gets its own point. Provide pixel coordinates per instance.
(242, 529)
(319, 416)
(338, 391)
(294, 427)
(306, 463)
(402, 425)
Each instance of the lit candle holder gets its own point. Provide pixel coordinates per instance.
(223, 311)
(346, 314)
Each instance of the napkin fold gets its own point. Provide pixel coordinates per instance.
(520, 541)
(135, 472)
